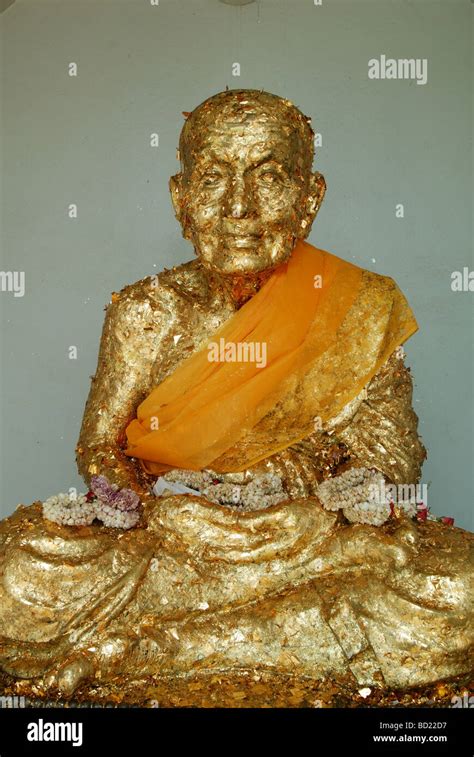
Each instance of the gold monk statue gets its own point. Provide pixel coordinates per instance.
(249, 440)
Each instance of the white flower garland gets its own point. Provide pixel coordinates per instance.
(77, 510)
(69, 510)
(261, 492)
(359, 493)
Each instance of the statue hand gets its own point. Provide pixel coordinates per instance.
(111, 462)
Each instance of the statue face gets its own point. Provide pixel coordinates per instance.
(244, 196)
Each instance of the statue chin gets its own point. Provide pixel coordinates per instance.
(244, 255)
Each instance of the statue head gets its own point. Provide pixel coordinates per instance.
(246, 191)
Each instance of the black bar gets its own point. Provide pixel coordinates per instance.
(396, 731)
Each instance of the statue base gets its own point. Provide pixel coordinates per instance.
(245, 689)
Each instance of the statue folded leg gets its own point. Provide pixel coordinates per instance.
(60, 587)
(290, 589)
(391, 604)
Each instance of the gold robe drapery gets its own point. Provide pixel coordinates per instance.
(320, 324)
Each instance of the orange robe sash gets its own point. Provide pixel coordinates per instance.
(218, 413)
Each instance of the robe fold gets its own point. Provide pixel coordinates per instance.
(324, 328)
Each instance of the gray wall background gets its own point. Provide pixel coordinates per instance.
(86, 140)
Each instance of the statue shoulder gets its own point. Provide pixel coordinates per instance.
(372, 284)
(384, 294)
(378, 282)
(157, 291)
(379, 305)
(375, 283)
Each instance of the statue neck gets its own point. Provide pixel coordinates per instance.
(240, 288)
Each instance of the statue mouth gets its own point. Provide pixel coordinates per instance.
(242, 240)
(241, 235)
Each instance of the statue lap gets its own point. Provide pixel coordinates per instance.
(291, 589)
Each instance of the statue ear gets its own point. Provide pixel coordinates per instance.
(177, 198)
(314, 198)
(175, 185)
(317, 190)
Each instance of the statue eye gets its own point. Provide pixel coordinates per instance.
(269, 177)
(210, 178)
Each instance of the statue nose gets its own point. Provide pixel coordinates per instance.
(239, 198)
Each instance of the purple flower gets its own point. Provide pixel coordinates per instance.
(102, 489)
(125, 500)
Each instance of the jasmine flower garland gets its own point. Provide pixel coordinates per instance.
(116, 508)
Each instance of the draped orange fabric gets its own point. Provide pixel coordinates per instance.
(207, 405)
